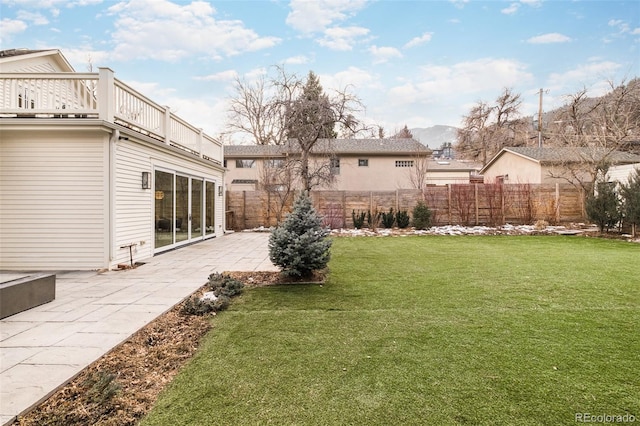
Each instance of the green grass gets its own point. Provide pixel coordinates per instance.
(427, 330)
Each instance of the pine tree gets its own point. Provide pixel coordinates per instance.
(631, 200)
(300, 245)
(603, 208)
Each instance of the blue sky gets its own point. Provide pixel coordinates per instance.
(419, 63)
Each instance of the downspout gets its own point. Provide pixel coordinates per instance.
(115, 136)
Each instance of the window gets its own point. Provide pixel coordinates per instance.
(404, 163)
(335, 165)
(245, 164)
(363, 162)
(275, 163)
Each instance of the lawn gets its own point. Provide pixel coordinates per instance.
(427, 330)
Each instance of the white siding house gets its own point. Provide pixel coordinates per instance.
(621, 173)
(75, 149)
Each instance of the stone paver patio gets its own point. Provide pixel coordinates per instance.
(45, 347)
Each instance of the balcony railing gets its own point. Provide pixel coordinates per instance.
(100, 96)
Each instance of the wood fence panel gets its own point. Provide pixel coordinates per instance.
(468, 204)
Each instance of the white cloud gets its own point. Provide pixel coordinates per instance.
(167, 31)
(511, 9)
(549, 38)
(416, 41)
(34, 18)
(315, 16)
(297, 60)
(342, 38)
(384, 54)
(478, 76)
(357, 78)
(227, 75)
(459, 3)
(593, 74)
(11, 27)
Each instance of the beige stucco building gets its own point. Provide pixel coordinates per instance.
(92, 171)
(547, 165)
(357, 164)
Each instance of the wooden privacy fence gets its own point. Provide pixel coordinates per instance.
(455, 204)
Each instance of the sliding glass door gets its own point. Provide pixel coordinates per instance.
(182, 205)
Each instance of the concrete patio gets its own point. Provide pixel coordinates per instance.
(45, 347)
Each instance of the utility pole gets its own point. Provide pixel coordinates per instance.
(540, 121)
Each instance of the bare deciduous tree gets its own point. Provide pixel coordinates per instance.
(286, 110)
(257, 110)
(489, 128)
(418, 173)
(311, 116)
(596, 131)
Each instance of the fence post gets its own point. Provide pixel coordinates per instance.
(449, 202)
(344, 208)
(557, 212)
(475, 190)
(244, 209)
(504, 219)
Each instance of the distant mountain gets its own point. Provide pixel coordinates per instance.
(434, 136)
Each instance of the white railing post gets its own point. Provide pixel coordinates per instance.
(200, 140)
(106, 94)
(167, 125)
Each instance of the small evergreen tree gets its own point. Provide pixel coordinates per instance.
(402, 219)
(603, 208)
(421, 216)
(300, 245)
(388, 219)
(631, 200)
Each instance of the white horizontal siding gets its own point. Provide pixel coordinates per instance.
(134, 206)
(53, 212)
(622, 173)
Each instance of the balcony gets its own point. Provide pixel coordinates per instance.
(100, 96)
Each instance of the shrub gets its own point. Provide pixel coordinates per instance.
(225, 285)
(603, 208)
(402, 219)
(300, 245)
(358, 219)
(421, 216)
(388, 218)
(631, 199)
(102, 387)
(373, 219)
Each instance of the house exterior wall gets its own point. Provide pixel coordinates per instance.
(53, 199)
(622, 173)
(380, 174)
(518, 168)
(70, 188)
(134, 206)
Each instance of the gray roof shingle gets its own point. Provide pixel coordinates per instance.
(549, 155)
(335, 146)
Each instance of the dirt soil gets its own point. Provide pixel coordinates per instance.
(123, 385)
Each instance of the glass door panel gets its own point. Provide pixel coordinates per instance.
(210, 203)
(163, 208)
(196, 208)
(182, 208)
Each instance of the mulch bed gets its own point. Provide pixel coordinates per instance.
(122, 386)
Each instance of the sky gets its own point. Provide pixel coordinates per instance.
(415, 63)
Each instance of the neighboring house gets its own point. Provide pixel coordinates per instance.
(358, 164)
(622, 173)
(92, 171)
(548, 165)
